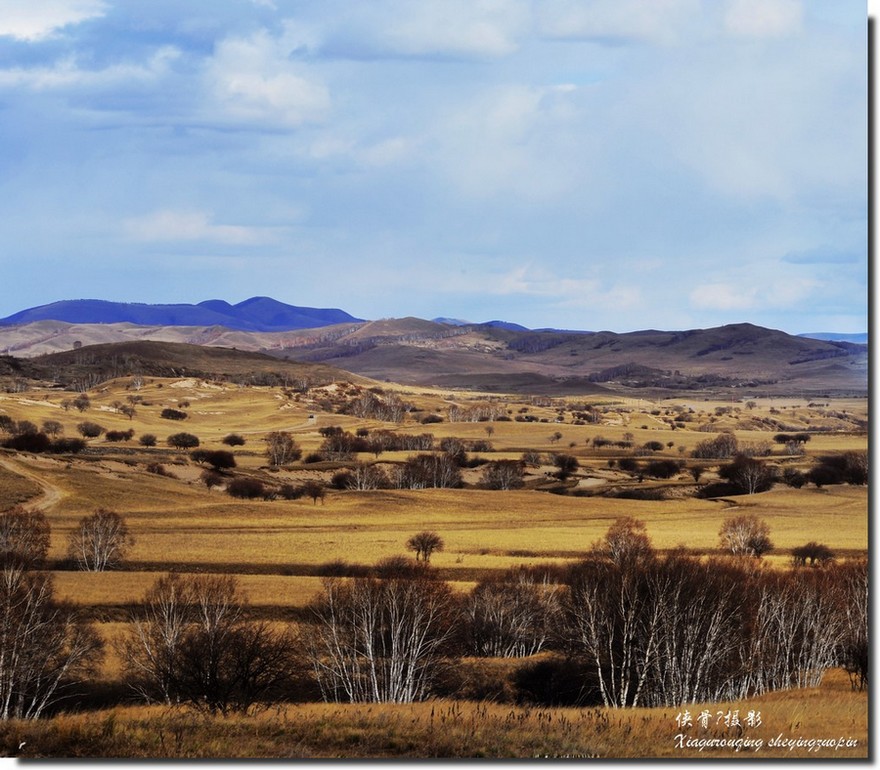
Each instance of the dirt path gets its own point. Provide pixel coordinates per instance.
(50, 496)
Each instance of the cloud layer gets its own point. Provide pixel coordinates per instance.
(614, 164)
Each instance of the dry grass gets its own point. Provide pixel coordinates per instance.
(15, 489)
(451, 729)
(178, 522)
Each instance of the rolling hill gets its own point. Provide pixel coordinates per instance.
(497, 356)
(93, 364)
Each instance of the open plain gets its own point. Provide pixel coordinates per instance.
(280, 546)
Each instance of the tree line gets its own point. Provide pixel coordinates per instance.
(625, 627)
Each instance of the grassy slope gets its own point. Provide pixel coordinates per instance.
(452, 729)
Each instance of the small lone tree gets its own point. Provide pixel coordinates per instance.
(745, 535)
(281, 448)
(626, 541)
(100, 541)
(314, 489)
(424, 544)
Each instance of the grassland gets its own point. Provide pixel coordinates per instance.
(453, 729)
(278, 548)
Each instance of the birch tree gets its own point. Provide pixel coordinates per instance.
(45, 648)
(100, 541)
(378, 641)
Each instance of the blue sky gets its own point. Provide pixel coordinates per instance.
(585, 164)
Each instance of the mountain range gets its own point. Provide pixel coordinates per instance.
(450, 353)
(257, 314)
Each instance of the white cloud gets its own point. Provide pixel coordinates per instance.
(654, 21)
(756, 292)
(566, 292)
(459, 29)
(470, 27)
(34, 20)
(723, 296)
(515, 139)
(764, 18)
(68, 73)
(252, 80)
(167, 225)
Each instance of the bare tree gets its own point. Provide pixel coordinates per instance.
(191, 641)
(854, 600)
(503, 475)
(625, 541)
(100, 541)
(364, 476)
(424, 544)
(428, 471)
(44, 646)
(797, 631)
(745, 535)
(281, 448)
(615, 623)
(511, 617)
(24, 537)
(379, 640)
(749, 474)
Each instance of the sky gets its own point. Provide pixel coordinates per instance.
(580, 164)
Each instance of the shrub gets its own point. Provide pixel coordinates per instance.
(628, 464)
(662, 469)
(172, 414)
(119, 435)
(722, 447)
(29, 442)
(89, 429)
(147, 439)
(183, 441)
(246, 488)
(233, 439)
(67, 445)
(816, 553)
(159, 470)
(211, 478)
(289, 492)
(218, 459)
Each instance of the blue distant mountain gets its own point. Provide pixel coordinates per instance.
(510, 326)
(257, 314)
(859, 339)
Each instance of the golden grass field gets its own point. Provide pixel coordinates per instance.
(825, 723)
(276, 546)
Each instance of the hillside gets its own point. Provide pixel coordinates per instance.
(490, 357)
(485, 356)
(90, 365)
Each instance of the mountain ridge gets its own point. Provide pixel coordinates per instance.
(257, 314)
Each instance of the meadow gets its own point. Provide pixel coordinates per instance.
(279, 549)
